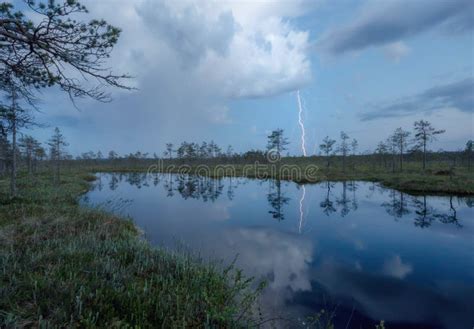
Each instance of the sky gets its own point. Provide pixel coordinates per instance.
(229, 71)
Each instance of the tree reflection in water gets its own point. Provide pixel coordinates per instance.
(99, 186)
(425, 215)
(114, 181)
(156, 179)
(401, 205)
(138, 180)
(398, 205)
(277, 199)
(469, 201)
(353, 188)
(168, 185)
(343, 201)
(327, 205)
(230, 189)
(298, 277)
(451, 216)
(194, 187)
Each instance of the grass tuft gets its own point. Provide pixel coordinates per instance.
(65, 266)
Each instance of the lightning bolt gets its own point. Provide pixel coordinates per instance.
(303, 148)
(301, 123)
(300, 227)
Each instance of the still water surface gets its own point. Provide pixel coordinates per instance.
(364, 252)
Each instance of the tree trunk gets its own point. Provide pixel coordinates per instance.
(30, 166)
(424, 154)
(13, 189)
(393, 161)
(56, 175)
(58, 158)
(401, 157)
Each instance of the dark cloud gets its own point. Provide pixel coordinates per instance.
(459, 95)
(392, 21)
(188, 30)
(190, 60)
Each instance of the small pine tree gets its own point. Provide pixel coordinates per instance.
(400, 140)
(327, 148)
(344, 149)
(57, 145)
(424, 134)
(468, 150)
(28, 145)
(277, 142)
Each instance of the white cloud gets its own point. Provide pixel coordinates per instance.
(189, 59)
(396, 268)
(235, 51)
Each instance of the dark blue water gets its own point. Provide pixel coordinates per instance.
(360, 251)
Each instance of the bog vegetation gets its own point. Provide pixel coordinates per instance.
(63, 265)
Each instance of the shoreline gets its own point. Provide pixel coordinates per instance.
(71, 265)
(414, 183)
(61, 252)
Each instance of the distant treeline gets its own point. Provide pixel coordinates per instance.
(400, 148)
(386, 162)
(401, 151)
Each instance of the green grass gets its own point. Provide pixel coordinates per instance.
(66, 266)
(63, 265)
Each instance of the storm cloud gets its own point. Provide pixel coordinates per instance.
(458, 95)
(227, 70)
(392, 21)
(189, 60)
(237, 52)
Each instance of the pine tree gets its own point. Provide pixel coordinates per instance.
(424, 134)
(468, 150)
(277, 142)
(56, 49)
(57, 145)
(400, 140)
(327, 148)
(16, 117)
(169, 150)
(28, 145)
(344, 149)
